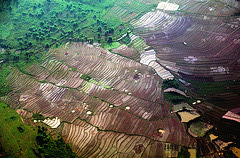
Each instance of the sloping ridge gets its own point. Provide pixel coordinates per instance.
(111, 128)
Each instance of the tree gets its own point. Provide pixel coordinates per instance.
(110, 39)
(15, 57)
(99, 29)
(51, 148)
(170, 84)
(99, 35)
(75, 25)
(106, 32)
(111, 30)
(91, 41)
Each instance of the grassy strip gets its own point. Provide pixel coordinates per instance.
(112, 45)
(16, 138)
(4, 88)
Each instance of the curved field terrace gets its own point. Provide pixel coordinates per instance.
(123, 78)
(109, 107)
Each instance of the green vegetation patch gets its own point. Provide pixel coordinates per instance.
(38, 116)
(126, 40)
(139, 44)
(183, 153)
(175, 98)
(211, 88)
(74, 69)
(125, 10)
(199, 128)
(4, 87)
(107, 87)
(112, 45)
(45, 24)
(86, 77)
(17, 139)
(170, 84)
(47, 147)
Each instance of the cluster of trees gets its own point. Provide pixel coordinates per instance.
(47, 147)
(108, 32)
(170, 84)
(183, 153)
(38, 116)
(6, 4)
(173, 97)
(33, 27)
(12, 58)
(46, 22)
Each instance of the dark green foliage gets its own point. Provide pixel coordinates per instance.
(47, 147)
(99, 29)
(19, 58)
(111, 30)
(20, 129)
(40, 24)
(183, 153)
(6, 4)
(99, 35)
(13, 118)
(106, 32)
(174, 98)
(74, 69)
(42, 137)
(211, 88)
(85, 77)
(91, 40)
(170, 84)
(34, 27)
(110, 39)
(38, 116)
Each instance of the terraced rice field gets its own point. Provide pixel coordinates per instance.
(111, 104)
(113, 113)
(127, 52)
(126, 10)
(200, 39)
(199, 42)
